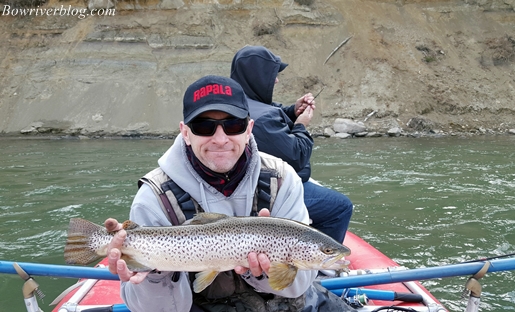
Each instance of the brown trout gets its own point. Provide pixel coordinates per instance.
(212, 243)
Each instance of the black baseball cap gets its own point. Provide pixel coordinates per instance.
(217, 93)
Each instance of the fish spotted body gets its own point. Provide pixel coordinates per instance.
(212, 243)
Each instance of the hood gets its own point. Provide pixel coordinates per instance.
(255, 69)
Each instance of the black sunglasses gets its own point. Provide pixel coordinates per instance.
(207, 127)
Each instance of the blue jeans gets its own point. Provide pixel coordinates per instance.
(329, 210)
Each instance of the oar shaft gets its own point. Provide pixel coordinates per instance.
(386, 295)
(416, 274)
(55, 270)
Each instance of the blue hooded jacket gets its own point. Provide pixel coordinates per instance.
(255, 69)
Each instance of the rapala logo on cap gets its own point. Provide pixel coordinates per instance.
(211, 89)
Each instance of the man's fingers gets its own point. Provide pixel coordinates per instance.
(264, 262)
(118, 239)
(138, 277)
(240, 269)
(112, 259)
(113, 250)
(123, 272)
(264, 213)
(112, 225)
(254, 266)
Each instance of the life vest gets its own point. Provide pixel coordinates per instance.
(179, 206)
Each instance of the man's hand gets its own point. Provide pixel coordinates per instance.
(305, 117)
(116, 265)
(258, 263)
(302, 103)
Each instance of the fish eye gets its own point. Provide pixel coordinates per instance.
(327, 250)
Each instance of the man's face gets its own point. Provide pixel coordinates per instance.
(219, 152)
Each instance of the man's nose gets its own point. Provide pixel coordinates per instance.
(219, 134)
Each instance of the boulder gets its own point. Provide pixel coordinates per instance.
(328, 132)
(343, 125)
(342, 135)
(395, 132)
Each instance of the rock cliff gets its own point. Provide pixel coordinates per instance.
(106, 67)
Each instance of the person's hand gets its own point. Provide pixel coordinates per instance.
(115, 264)
(305, 117)
(258, 263)
(303, 102)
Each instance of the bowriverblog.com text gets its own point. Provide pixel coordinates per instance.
(62, 11)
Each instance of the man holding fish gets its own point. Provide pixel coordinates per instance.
(216, 161)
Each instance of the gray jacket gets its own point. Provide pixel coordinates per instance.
(158, 292)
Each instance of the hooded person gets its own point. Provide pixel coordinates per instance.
(281, 131)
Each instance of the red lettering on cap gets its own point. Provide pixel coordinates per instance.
(211, 89)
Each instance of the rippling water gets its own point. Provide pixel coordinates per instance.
(423, 202)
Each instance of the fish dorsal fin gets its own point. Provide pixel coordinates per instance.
(281, 275)
(203, 279)
(134, 265)
(207, 217)
(129, 225)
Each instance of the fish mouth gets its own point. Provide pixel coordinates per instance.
(335, 263)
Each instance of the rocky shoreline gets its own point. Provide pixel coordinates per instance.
(342, 128)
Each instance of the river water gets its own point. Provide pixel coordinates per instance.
(423, 202)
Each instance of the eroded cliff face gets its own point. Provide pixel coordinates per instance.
(418, 65)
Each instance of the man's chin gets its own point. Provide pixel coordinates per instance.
(222, 166)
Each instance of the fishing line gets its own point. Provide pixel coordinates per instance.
(490, 258)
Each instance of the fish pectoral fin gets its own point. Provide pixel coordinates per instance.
(204, 279)
(207, 217)
(281, 275)
(134, 265)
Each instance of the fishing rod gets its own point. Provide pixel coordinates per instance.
(319, 93)
(490, 258)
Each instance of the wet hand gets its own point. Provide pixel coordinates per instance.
(115, 264)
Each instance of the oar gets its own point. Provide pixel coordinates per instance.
(386, 295)
(416, 274)
(67, 271)
(55, 270)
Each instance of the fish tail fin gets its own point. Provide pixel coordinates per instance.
(78, 249)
